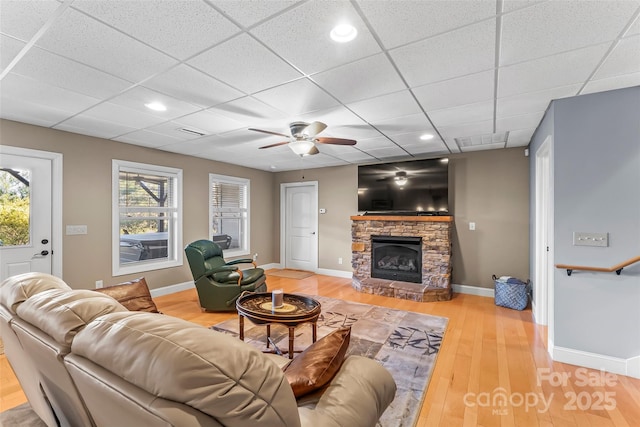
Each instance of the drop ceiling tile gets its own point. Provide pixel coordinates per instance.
(533, 101)
(558, 26)
(307, 44)
(357, 132)
(178, 28)
(298, 97)
(523, 121)
(624, 59)
(23, 111)
(612, 83)
(23, 18)
(405, 124)
(462, 90)
(465, 51)
(146, 138)
(10, 48)
(15, 86)
(210, 122)
(333, 117)
(86, 40)
(190, 85)
(469, 113)
(64, 73)
(92, 126)
(229, 62)
(385, 153)
(520, 137)
(558, 70)
(253, 113)
(431, 149)
(634, 28)
(375, 75)
(386, 106)
(136, 98)
(245, 138)
(421, 19)
(252, 12)
(511, 5)
(367, 145)
(471, 129)
(113, 113)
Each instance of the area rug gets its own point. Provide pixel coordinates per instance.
(290, 274)
(405, 343)
(22, 416)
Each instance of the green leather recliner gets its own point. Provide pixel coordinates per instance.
(220, 283)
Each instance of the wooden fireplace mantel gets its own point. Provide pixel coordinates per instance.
(402, 218)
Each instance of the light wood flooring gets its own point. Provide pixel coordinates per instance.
(487, 352)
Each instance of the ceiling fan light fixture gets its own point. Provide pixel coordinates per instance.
(302, 147)
(400, 180)
(343, 33)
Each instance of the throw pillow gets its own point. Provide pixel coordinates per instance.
(134, 295)
(318, 364)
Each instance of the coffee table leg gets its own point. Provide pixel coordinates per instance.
(269, 335)
(291, 335)
(314, 329)
(241, 321)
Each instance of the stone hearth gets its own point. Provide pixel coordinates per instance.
(436, 255)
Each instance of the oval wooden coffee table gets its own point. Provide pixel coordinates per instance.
(296, 309)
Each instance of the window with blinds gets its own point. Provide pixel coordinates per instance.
(147, 219)
(229, 213)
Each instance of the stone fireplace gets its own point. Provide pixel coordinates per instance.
(406, 257)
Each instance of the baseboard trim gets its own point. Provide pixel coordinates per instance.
(335, 273)
(172, 289)
(629, 367)
(474, 290)
(270, 266)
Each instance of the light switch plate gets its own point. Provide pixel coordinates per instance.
(590, 239)
(76, 229)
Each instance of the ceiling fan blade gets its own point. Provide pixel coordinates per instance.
(275, 145)
(269, 132)
(314, 128)
(337, 141)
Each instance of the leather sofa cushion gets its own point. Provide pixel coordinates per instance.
(318, 364)
(62, 313)
(184, 362)
(134, 295)
(16, 289)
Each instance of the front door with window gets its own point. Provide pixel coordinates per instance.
(25, 215)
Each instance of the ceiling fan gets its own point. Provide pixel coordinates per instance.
(303, 139)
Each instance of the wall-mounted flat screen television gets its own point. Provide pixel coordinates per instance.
(418, 187)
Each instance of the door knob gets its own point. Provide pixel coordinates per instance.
(313, 232)
(41, 254)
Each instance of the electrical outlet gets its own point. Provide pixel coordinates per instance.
(99, 284)
(339, 260)
(255, 256)
(472, 226)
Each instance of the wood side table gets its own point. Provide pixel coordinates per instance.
(296, 309)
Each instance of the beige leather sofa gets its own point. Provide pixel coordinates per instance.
(93, 363)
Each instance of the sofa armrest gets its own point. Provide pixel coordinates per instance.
(356, 397)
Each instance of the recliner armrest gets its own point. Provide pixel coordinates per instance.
(241, 261)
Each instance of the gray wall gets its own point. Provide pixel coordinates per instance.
(596, 189)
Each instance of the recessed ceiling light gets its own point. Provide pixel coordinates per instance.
(426, 137)
(343, 33)
(156, 106)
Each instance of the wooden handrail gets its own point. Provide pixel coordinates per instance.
(617, 268)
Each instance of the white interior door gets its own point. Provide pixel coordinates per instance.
(299, 222)
(25, 232)
(543, 285)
